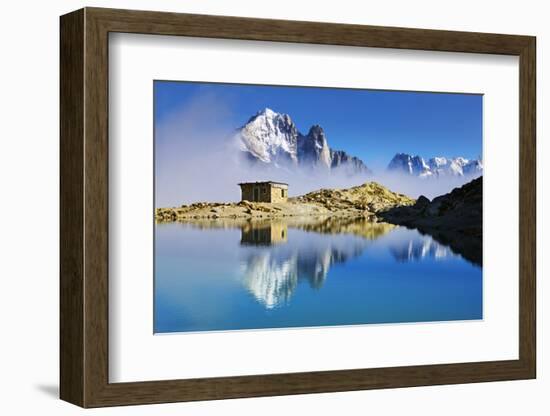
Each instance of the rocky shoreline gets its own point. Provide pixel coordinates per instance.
(361, 201)
(454, 219)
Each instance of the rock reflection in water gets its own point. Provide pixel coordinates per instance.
(359, 226)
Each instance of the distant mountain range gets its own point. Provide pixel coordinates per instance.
(435, 167)
(272, 139)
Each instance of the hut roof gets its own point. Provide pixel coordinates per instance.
(263, 183)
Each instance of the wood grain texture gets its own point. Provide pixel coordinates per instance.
(71, 208)
(84, 207)
(96, 220)
(527, 207)
(162, 23)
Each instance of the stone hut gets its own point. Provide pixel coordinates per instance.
(264, 191)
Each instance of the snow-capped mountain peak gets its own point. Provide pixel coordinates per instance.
(436, 166)
(270, 137)
(268, 112)
(438, 161)
(412, 165)
(273, 139)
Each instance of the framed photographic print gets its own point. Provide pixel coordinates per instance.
(256, 207)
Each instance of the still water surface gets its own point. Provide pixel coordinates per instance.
(227, 275)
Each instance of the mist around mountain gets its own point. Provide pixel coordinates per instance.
(435, 167)
(199, 156)
(414, 175)
(270, 141)
(271, 138)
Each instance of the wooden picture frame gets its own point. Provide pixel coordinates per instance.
(84, 207)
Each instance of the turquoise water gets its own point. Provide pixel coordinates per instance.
(214, 276)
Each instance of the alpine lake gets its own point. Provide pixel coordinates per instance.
(230, 274)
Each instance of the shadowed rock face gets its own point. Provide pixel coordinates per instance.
(348, 164)
(313, 148)
(454, 219)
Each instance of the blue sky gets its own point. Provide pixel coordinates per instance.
(372, 125)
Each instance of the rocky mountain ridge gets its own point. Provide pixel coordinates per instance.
(272, 138)
(434, 167)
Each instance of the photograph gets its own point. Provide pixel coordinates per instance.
(258, 205)
(295, 207)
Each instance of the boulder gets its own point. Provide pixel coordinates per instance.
(421, 202)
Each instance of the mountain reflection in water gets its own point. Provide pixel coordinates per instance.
(272, 265)
(418, 249)
(272, 276)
